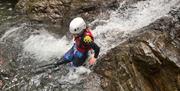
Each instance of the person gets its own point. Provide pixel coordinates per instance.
(84, 42)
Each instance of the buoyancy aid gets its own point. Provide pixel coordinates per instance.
(82, 41)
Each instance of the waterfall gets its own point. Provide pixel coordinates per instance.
(42, 45)
(115, 30)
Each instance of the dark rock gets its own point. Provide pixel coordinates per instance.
(61, 11)
(1, 84)
(147, 62)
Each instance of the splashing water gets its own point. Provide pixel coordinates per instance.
(118, 28)
(11, 33)
(122, 23)
(109, 35)
(74, 74)
(44, 46)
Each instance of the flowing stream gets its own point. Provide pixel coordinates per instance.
(29, 46)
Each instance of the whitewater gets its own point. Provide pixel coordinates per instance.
(116, 28)
(42, 45)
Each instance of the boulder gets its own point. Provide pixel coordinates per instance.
(149, 61)
(61, 11)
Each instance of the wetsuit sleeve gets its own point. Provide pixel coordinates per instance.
(88, 41)
(96, 49)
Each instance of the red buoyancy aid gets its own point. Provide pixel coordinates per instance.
(82, 46)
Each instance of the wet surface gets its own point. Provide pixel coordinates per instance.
(6, 9)
(28, 45)
(1, 83)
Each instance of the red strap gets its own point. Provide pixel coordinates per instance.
(89, 33)
(77, 40)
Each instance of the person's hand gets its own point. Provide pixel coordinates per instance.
(92, 61)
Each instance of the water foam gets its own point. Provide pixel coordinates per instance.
(45, 46)
(122, 23)
(75, 75)
(11, 32)
(115, 30)
(109, 35)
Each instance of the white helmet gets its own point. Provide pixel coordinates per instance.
(77, 25)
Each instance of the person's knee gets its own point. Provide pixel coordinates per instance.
(77, 62)
(78, 54)
(68, 57)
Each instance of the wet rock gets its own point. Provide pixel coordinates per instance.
(146, 62)
(1, 61)
(1, 57)
(1, 84)
(60, 11)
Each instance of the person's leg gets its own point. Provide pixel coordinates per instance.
(79, 58)
(68, 57)
(62, 61)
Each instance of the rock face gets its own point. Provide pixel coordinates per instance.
(59, 11)
(147, 62)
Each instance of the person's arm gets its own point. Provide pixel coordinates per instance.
(89, 41)
(96, 49)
